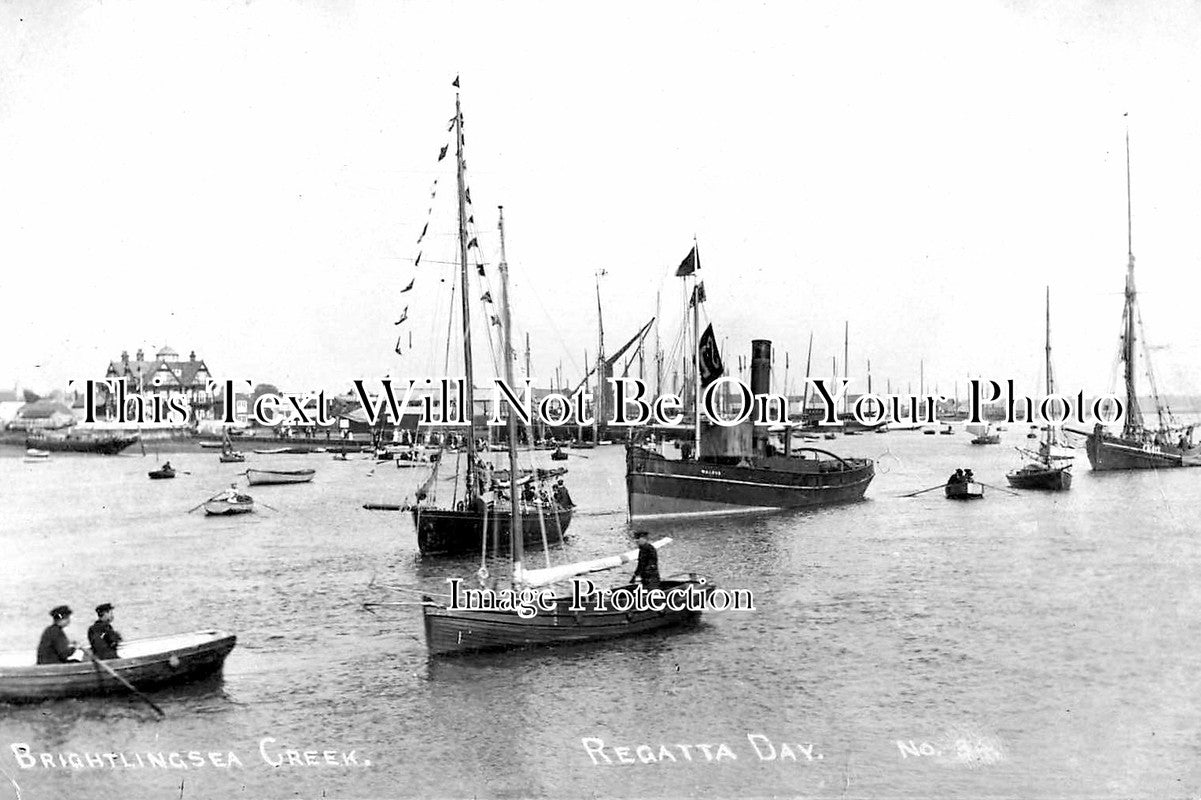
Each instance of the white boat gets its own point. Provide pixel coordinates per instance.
(261, 477)
(36, 456)
(242, 504)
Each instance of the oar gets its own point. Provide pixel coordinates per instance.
(211, 499)
(998, 488)
(273, 508)
(923, 491)
(100, 664)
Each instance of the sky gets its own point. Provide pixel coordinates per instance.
(248, 180)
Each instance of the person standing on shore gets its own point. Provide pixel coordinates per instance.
(103, 638)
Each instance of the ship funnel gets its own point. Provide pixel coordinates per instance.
(760, 366)
(760, 385)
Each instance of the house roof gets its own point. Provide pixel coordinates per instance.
(184, 371)
(42, 409)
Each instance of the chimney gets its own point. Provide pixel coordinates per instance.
(140, 354)
(124, 356)
(760, 384)
(192, 356)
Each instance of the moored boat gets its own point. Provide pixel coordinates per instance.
(35, 456)
(162, 473)
(1048, 469)
(102, 444)
(1167, 445)
(232, 458)
(1041, 476)
(144, 663)
(738, 471)
(266, 477)
(457, 632)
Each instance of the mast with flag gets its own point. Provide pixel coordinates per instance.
(689, 266)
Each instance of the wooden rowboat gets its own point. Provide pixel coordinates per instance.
(965, 491)
(233, 458)
(144, 663)
(243, 504)
(161, 474)
(259, 477)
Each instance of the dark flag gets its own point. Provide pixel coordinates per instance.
(405, 315)
(442, 153)
(496, 321)
(689, 265)
(480, 270)
(456, 83)
(410, 286)
(418, 261)
(710, 358)
(467, 194)
(474, 242)
(698, 295)
(423, 230)
(398, 350)
(487, 298)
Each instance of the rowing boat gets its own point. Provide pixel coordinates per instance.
(144, 663)
(259, 477)
(242, 504)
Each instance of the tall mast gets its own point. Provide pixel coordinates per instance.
(808, 363)
(600, 363)
(658, 349)
(515, 529)
(1051, 438)
(470, 374)
(696, 352)
(1134, 416)
(846, 359)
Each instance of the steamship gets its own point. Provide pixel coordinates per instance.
(738, 469)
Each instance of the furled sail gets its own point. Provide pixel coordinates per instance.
(549, 575)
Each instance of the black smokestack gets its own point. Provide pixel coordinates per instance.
(760, 384)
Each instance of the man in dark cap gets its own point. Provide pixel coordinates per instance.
(54, 647)
(103, 638)
(648, 562)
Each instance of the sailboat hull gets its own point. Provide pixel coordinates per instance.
(1035, 476)
(450, 532)
(453, 632)
(1106, 453)
(657, 486)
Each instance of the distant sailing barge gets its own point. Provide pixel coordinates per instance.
(1140, 447)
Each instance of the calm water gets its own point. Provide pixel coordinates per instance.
(1041, 646)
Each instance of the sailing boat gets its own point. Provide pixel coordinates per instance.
(736, 469)
(1047, 470)
(452, 630)
(461, 527)
(1138, 446)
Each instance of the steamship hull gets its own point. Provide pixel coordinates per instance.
(1109, 453)
(444, 531)
(657, 486)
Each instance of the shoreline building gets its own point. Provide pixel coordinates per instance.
(164, 375)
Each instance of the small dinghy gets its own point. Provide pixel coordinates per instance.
(36, 456)
(232, 458)
(162, 473)
(225, 506)
(143, 663)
